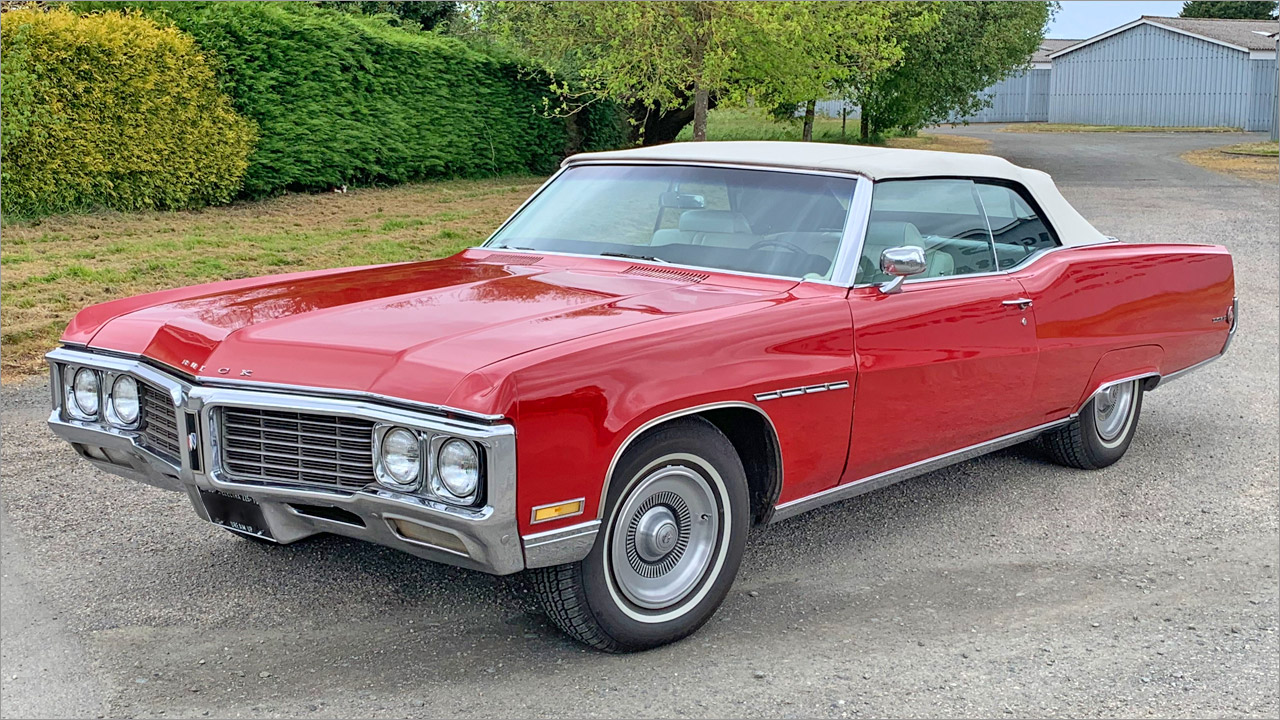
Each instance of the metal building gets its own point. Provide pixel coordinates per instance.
(1169, 72)
(1023, 97)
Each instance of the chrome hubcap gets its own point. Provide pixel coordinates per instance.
(656, 533)
(664, 537)
(1111, 410)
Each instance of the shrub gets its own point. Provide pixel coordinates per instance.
(112, 110)
(343, 99)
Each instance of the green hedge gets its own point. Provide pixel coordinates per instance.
(111, 110)
(343, 99)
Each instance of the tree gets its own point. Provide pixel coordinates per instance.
(666, 60)
(425, 15)
(945, 65)
(1230, 9)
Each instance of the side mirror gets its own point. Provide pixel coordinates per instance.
(681, 201)
(901, 263)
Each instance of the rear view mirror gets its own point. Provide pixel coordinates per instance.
(681, 201)
(901, 262)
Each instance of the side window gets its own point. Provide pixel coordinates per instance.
(1017, 230)
(942, 216)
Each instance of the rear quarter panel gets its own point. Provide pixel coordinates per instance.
(1111, 311)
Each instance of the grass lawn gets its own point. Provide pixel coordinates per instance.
(1251, 161)
(745, 124)
(1260, 149)
(1074, 128)
(51, 268)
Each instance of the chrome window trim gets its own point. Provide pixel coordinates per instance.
(841, 275)
(617, 455)
(1031, 259)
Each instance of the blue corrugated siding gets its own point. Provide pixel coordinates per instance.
(1021, 98)
(1262, 111)
(1152, 76)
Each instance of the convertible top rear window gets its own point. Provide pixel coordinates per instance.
(768, 222)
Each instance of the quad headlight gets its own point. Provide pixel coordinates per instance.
(123, 405)
(84, 394)
(437, 466)
(458, 469)
(400, 459)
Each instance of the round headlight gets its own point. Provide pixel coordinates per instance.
(401, 458)
(84, 390)
(458, 466)
(124, 400)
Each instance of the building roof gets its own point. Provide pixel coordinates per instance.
(873, 162)
(1244, 35)
(1048, 46)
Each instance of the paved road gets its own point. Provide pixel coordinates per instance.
(1003, 585)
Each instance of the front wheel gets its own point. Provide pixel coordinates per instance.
(1101, 433)
(669, 545)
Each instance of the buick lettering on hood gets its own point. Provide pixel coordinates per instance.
(659, 349)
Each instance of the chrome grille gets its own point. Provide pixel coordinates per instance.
(159, 431)
(278, 446)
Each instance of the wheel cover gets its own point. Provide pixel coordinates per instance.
(1111, 409)
(665, 536)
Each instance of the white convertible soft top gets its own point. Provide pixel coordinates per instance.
(875, 163)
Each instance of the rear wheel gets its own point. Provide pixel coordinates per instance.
(668, 549)
(1102, 432)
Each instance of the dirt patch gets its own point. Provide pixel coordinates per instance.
(945, 143)
(54, 267)
(1258, 168)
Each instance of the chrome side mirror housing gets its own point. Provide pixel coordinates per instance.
(901, 263)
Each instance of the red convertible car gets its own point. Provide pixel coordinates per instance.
(660, 348)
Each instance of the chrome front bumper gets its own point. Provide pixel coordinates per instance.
(482, 538)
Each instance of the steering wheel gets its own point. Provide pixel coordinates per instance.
(775, 242)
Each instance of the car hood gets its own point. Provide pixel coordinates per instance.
(411, 331)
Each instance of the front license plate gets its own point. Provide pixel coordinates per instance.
(236, 512)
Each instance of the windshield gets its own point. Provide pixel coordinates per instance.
(758, 221)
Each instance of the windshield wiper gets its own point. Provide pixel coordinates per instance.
(629, 256)
(510, 247)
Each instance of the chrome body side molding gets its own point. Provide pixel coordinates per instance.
(889, 477)
(556, 547)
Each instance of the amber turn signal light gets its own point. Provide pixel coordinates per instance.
(564, 509)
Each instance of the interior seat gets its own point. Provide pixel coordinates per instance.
(885, 234)
(720, 228)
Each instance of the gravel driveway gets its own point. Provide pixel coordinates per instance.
(1000, 586)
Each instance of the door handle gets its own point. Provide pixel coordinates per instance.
(1023, 303)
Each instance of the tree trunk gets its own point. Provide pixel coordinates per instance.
(700, 102)
(810, 108)
(865, 127)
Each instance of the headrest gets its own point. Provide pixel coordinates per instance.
(713, 221)
(887, 234)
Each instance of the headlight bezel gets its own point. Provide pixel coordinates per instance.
(112, 408)
(71, 401)
(439, 486)
(380, 471)
(427, 482)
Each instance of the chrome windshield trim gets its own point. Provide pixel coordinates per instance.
(147, 368)
(760, 167)
(844, 265)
